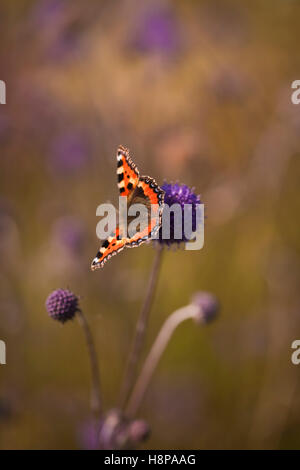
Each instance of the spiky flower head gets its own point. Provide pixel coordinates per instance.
(188, 201)
(62, 305)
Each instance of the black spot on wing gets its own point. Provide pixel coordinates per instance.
(105, 244)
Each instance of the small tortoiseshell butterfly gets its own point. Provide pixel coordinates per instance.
(138, 190)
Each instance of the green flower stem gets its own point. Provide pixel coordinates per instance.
(96, 402)
(138, 342)
(159, 346)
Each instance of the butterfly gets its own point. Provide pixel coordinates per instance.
(138, 190)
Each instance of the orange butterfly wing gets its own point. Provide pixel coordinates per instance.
(127, 172)
(110, 247)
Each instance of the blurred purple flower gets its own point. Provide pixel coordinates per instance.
(157, 31)
(69, 232)
(46, 12)
(88, 435)
(69, 153)
(55, 21)
(182, 195)
(65, 45)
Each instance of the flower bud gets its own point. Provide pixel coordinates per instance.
(139, 430)
(208, 306)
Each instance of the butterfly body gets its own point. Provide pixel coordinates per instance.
(138, 190)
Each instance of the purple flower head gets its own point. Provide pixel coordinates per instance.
(62, 305)
(69, 232)
(208, 306)
(66, 45)
(182, 195)
(157, 32)
(48, 12)
(53, 22)
(69, 153)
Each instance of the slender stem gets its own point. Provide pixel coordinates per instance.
(155, 354)
(138, 342)
(95, 392)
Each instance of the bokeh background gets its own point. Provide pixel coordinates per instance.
(200, 91)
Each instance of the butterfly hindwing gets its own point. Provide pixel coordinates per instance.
(127, 172)
(151, 195)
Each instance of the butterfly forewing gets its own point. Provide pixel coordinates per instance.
(127, 172)
(110, 247)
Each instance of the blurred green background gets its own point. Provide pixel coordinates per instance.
(200, 91)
